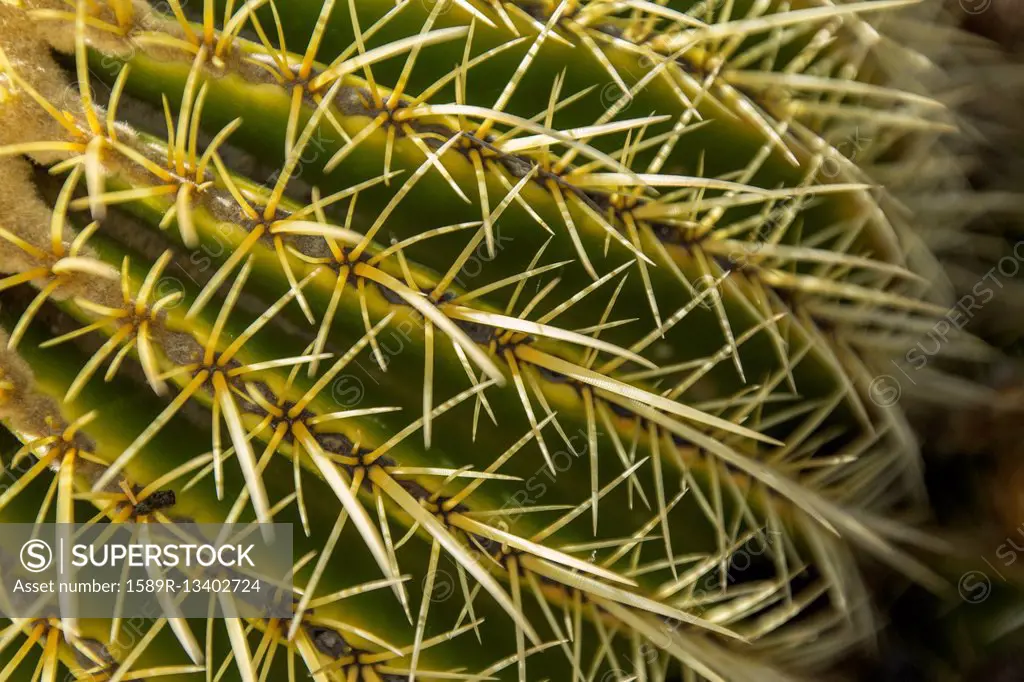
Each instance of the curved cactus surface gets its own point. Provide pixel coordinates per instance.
(554, 328)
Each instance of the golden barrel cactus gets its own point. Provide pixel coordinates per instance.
(554, 327)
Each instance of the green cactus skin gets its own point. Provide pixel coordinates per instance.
(552, 327)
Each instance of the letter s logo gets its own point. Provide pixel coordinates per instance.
(36, 556)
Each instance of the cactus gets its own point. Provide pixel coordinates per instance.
(552, 326)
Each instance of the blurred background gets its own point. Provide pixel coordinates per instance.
(974, 448)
